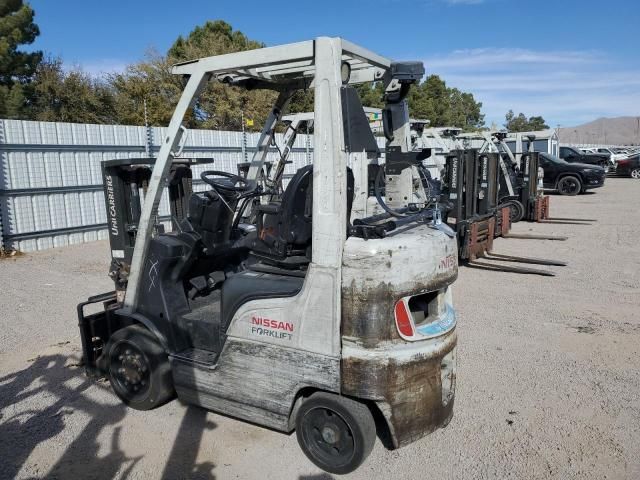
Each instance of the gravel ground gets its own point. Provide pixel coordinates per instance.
(548, 374)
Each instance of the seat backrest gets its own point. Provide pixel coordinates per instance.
(289, 226)
(293, 222)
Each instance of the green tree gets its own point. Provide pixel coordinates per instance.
(537, 123)
(444, 106)
(150, 81)
(17, 68)
(73, 96)
(219, 106)
(520, 122)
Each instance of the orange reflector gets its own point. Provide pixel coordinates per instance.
(403, 321)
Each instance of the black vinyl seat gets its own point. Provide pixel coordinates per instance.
(285, 227)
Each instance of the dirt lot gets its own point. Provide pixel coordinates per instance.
(548, 377)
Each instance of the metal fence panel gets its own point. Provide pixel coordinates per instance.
(51, 183)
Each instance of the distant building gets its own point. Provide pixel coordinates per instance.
(545, 141)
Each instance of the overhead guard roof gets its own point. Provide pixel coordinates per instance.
(283, 65)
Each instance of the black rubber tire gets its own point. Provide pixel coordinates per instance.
(606, 166)
(635, 173)
(149, 365)
(569, 185)
(337, 415)
(516, 210)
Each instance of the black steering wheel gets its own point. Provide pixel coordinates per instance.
(217, 184)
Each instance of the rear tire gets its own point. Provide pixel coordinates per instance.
(336, 433)
(139, 369)
(569, 185)
(635, 173)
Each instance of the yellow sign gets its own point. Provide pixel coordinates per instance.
(249, 122)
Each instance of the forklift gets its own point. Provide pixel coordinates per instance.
(287, 309)
(521, 184)
(470, 189)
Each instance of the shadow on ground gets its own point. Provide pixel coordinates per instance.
(49, 380)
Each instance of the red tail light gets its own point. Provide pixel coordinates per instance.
(403, 319)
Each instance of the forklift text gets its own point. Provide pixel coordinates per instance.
(266, 327)
(112, 207)
(447, 262)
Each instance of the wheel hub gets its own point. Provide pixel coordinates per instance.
(130, 369)
(330, 434)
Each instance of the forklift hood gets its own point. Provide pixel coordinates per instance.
(377, 273)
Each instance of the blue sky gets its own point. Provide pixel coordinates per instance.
(570, 61)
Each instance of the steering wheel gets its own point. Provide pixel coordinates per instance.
(217, 184)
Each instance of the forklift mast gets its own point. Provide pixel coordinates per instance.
(125, 186)
(469, 190)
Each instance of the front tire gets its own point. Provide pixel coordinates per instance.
(569, 185)
(139, 370)
(336, 433)
(635, 173)
(516, 210)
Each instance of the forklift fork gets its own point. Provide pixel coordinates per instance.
(536, 261)
(510, 269)
(480, 245)
(571, 219)
(525, 236)
(541, 214)
(558, 221)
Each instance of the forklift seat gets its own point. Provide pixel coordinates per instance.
(288, 222)
(284, 227)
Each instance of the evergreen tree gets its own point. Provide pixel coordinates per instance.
(17, 68)
(520, 123)
(444, 106)
(219, 106)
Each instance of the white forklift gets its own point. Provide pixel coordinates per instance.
(312, 318)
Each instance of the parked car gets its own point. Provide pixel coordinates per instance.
(629, 166)
(574, 155)
(614, 156)
(570, 178)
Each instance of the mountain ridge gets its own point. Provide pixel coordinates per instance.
(604, 131)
